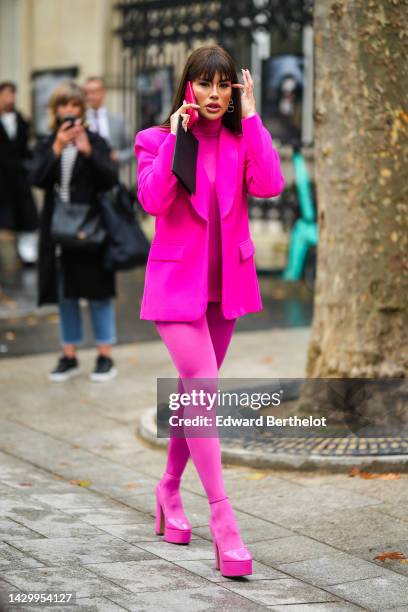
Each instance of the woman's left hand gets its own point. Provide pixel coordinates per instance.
(82, 141)
(247, 98)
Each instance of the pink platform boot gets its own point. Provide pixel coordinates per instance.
(170, 517)
(231, 555)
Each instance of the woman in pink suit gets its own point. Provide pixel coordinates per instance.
(200, 274)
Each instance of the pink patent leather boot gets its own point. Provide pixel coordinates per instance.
(231, 555)
(170, 517)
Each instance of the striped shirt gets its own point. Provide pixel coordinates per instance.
(68, 157)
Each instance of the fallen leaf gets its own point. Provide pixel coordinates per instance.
(25, 484)
(389, 555)
(81, 483)
(131, 485)
(256, 476)
(31, 321)
(133, 361)
(355, 471)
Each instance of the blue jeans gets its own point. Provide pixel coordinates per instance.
(102, 317)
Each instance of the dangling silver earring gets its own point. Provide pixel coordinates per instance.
(231, 106)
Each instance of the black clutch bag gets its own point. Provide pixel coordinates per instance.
(77, 226)
(185, 158)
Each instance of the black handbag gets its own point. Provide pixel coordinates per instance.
(77, 226)
(127, 246)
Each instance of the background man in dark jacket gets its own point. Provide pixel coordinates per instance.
(17, 207)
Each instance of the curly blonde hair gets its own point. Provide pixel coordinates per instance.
(68, 91)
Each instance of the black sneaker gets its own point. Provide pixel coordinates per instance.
(65, 368)
(104, 369)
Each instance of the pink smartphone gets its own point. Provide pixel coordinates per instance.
(190, 98)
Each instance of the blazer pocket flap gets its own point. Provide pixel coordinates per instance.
(247, 248)
(167, 252)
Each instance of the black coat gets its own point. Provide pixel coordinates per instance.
(83, 272)
(18, 211)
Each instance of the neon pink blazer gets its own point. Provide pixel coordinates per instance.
(176, 281)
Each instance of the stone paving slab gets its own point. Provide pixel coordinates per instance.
(206, 569)
(333, 606)
(334, 569)
(62, 579)
(392, 510)
(147, 575)
(51, 523)
(280, 591)
(10, 530)
(350, 528)
(85, 604)
(109, 517)
(375, 593)
(197, 549)
(255, 529)
(81, 550)
(289, 549)
(369, 553)
(13, 558)
(279, 505)
(209, 599)
(135, 533)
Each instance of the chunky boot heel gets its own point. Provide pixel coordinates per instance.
(230, 559)
(173, 523)
(217, 557)
(159, 519)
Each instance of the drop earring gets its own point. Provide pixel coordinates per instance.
(231, 106)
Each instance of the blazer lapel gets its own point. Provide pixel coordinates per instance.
(225, 180)
(200, 199)
(227, 169)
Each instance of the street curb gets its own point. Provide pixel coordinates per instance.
(147, 430)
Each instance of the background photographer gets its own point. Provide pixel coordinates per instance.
(76, 164)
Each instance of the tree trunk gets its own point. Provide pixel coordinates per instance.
(360, 326)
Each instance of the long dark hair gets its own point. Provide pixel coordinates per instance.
(203, 63)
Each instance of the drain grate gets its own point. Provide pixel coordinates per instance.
(347, 446)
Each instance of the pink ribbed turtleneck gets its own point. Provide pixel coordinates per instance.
(207, 132)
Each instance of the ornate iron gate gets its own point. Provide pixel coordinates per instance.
(161, 33)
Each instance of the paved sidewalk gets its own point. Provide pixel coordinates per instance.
(314, 536)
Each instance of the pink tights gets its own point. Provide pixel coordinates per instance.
(197, 349)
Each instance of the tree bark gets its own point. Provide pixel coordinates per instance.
(360, 326)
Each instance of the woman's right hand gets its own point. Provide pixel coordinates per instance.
(174, 118)
(64, 136)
